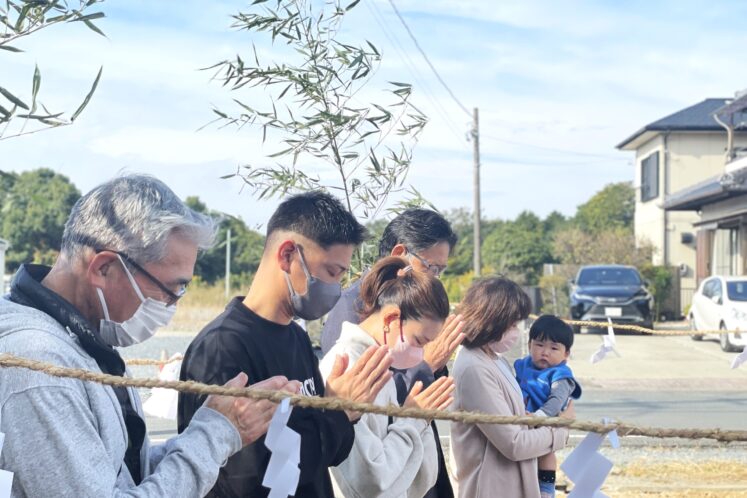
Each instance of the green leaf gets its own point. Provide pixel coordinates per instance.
(281, 153)
(88, 97)
(403, 85)
(373, 48)
(35, 87)
(95, 15)
(10, 49)
(5, 93)
(285, 91)
(93, 27)
(352, 4)
(22, 16)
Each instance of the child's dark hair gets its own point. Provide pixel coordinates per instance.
(418, 229)
(551, 328)
(489, 308)
(393, 281)
(319, 217)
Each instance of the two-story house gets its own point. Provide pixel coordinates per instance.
(720, 202)
(672, 154)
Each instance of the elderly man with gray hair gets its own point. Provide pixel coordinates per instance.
(128, 252)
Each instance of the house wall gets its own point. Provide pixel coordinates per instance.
(689, 158)
(649, 217)
(728, 214)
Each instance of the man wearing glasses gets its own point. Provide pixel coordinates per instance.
(425, 239)
(127, 254)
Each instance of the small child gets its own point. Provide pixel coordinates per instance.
(547, 383)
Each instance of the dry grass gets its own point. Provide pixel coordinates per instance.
(200, 304)
(686, 479)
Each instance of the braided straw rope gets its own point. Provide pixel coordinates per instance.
(11, 361)
(140, 362)
(581, 323)
(638, 328)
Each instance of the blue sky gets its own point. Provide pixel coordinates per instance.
(547, 76)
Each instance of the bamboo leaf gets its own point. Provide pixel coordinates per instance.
(352, 4)
(5, 93)
(88, 17)
(36, 83)
(88, 97)
(93, 27)
(10, 49)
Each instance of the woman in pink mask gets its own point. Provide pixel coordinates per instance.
(403, 309)
(496, 457)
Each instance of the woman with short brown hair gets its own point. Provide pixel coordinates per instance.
(492, 458)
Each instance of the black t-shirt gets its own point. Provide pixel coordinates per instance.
(239, 340)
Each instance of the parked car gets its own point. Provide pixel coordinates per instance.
(720, 303)
(611, 291)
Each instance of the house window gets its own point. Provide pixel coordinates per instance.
(650, 177)
(726, 252)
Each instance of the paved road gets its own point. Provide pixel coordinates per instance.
(658, 381)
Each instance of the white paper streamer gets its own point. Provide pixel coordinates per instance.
(6, 478)
(608, 345)
(587, 468)
(285, 444)
(163, 402)
(739, 359)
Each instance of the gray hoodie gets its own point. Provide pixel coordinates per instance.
(67, 438)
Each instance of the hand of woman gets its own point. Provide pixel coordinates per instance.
(437, 396)
(569, 412)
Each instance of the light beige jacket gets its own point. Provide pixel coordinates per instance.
(397, 460)
(495, 460)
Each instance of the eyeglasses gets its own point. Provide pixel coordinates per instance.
(172, 297)
(433, 269)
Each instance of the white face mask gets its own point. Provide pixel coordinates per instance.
(506, 342)
(148, 317)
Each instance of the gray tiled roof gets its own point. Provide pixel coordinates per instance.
(698, 117)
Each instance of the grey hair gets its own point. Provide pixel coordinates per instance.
(134, 214)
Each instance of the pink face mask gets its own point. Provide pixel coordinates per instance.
(404, 355)
(507, 341)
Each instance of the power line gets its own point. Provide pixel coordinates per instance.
(550, 149)
(414, 71)
(428, 61)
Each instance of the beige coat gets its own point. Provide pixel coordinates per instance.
(397, 460)
(495, 460)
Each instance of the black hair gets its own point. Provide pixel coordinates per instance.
(418, 229)
(416, 294)
(552, 328)
(318, 216)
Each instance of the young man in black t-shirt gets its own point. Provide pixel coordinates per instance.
(310, 242)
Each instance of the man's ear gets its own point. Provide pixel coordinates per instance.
(399, 250)
(284, 254)
(99, 267)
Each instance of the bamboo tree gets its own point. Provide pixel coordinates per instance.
(20, 19)
(314, 110)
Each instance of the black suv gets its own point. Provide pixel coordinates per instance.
(611, 291)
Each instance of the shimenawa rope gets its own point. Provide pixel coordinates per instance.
(11, 361)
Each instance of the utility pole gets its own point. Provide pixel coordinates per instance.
(228, 262)
(476, 260)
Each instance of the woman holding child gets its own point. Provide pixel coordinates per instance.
(403, 309)
(496, 460)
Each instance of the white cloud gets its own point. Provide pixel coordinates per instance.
(576, 76)
(172, 146)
